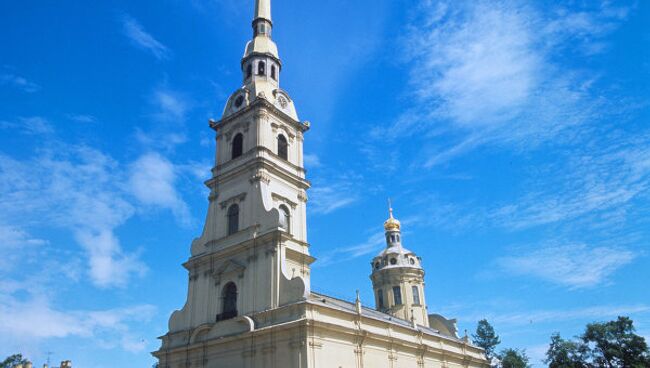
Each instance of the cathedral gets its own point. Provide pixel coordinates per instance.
(249, 301)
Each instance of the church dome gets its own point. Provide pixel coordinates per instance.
(392, 224)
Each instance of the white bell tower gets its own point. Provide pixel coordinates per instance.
(253, 254)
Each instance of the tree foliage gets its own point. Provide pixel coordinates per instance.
(566, 354)
(13, 361)
(486, 338)
(611, 344)
(513, 358)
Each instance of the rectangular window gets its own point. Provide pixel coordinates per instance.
(380, 299)
(397, 295)
(416, 295)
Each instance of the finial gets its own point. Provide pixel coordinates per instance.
(391, 224)
(263, 9)
(358, 303)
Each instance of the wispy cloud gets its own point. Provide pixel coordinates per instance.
(34, 125)
(170, 105)
(487, 72)
(588, 182)
(89, 193)
(575, 265)
(140, 38)
(79, 191)
(371, 245)
(312, 161)
(82, 118)
(19, 82)
(588, 313)
(336, 194)
(35, 320)
(504, 314)
(153, 182)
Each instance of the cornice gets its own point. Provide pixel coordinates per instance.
(263, 104)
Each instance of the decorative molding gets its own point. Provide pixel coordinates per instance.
(316, 345)
(260, 176)
(285, 200)
(232, 200)
(269, 349)
(302, 196)
(243, 126)
(248, 353)
(289, 133)
(228, 268)
(213, 196)
(297, 344)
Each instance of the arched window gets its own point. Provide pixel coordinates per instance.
(249, 71)
(283, 147)
(416, 295)
(261, 68)
(273, 72)
(380, 299)
(397, 295)
(285, 218)
(229, 296)
(233, 219)
(237, 146)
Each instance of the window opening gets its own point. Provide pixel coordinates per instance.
(237, 146)
(416, 295)
(397, 295)
(233, 219)
(283, 147)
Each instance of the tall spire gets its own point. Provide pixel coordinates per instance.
(263, 9)
(392, 224)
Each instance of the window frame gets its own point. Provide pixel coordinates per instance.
(229, 296)
(397, 295)
(416, 295)
(237, 146)
(285, 214)
(261, 68)
(232, 222)
(380, 299)
(283, 147)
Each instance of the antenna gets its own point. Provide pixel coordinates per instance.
(49, 354)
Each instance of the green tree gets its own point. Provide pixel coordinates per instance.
(513, 358)
(486, 338)
(13, 361)
(615, 345)
(566, 354)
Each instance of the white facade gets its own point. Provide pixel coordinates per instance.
(249, 300)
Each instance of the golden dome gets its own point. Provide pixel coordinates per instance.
(392, 224)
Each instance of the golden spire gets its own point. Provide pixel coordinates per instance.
(391, 224)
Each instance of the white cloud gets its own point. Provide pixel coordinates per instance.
(371, 245)
(19, 82)
(12, 237)
(575, 266)
(136, 33)
(35, 320)
(152, 181)
(589, 182)
(487, 72)
(312, 161)
(589, 313)
(76, 188)
(170, 105)
(34, 125)
(82, 118)
(327, 199)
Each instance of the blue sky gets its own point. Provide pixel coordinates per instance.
(513, 137)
